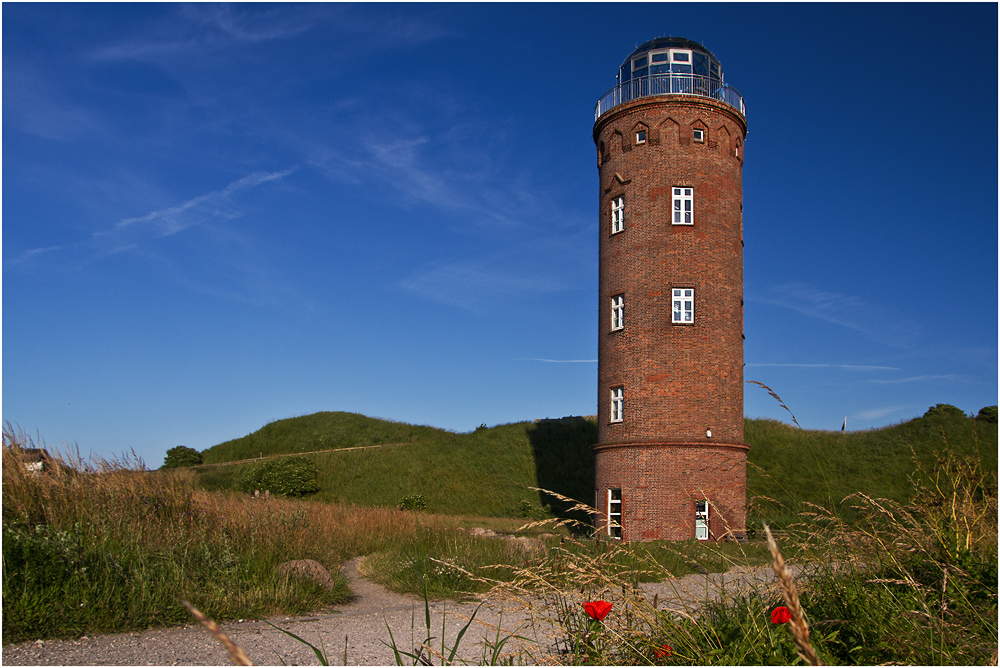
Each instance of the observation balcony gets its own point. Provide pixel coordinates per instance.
(670, 84)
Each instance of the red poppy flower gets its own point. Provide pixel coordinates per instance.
(781, 615)
(663, 651)
(597, 610)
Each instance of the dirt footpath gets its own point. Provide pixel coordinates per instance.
(357, 633)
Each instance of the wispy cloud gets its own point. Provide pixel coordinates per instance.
(954, 377)
(256, 25)
(848, 311)
(216, 204)
(851, 367)
(401, 164)
(411, 165)
(29, 257)
(471, 285)
(433, 149)
(878, 413)
(197, 27)
(36, 252)
(130, 233)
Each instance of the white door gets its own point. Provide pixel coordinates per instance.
(701, 520)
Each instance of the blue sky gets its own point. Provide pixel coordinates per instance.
(215, 216)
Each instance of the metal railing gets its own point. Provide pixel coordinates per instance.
(670, 84)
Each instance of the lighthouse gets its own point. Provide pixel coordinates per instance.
(670, 461)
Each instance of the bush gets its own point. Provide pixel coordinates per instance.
(528, 510)
(413, 502)
(988, 414)
(945, 410)
(181, 456)
(285, 476)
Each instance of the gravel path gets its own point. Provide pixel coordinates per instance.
(357, 631)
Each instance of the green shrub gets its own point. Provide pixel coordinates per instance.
(43, 556)
(413, 502)
(945, 410)
(529, 510)
(988, 414)
(181, 456)
(285, 476)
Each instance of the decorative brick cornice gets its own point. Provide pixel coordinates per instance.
(656, 104)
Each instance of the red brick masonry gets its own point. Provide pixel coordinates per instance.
(680, 381)
(661, 482)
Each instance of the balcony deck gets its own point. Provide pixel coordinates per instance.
(670, 84)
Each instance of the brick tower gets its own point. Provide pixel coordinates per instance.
(670, 459)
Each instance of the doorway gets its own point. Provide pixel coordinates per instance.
(701, 519)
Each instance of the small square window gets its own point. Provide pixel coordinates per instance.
(699, 136)
(640, 137)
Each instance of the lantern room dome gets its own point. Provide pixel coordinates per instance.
(670, 55)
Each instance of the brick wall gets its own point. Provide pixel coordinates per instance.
(680, 381)
(661, 482)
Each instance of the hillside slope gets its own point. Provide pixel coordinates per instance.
(319, 431)
(788, 466)
(485, 472)
(490, 471)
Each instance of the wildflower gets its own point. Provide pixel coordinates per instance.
(781, 615)
(597, 610)
(663, 651)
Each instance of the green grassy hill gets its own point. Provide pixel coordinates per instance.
(485, 472)
(788, 466)
(489, 471)
(320, 431)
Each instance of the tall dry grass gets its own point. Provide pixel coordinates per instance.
(101, 546)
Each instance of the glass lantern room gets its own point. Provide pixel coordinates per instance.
(670, 66)
(670, 55)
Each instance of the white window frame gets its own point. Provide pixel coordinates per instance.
(682, 306)
(682, 205)
(617, 214)
(681, 57)
(615, 518)
(618, 404)
(660, 61)
(640, 136)
(698, 136)
(617, 312)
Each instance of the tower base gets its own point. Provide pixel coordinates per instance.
(672, 490)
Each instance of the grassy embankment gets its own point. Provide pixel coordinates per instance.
(489, 472)
(790, 469)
